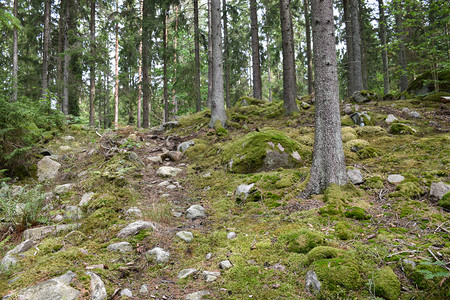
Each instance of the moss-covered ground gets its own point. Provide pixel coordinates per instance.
(361, 241)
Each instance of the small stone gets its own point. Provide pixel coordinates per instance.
(195, 211)
(86, 198)
(62, 189)
(390, 118)
(133, 157)
(207, 175)
(185, 145)
(186, 272)
(226, 264)
(175, 155)
(348, 109)
(158, 254)
(65, 148)
(185, 236)
(155, 159)
(355, 176)
(243, 191)
(134, 228)
(197, 295)
(231, 235)
(98, 290)
(171, 187)
(123, 247)
(438, 190)
(414, 114)
(57, 218)
(210, 276)
(409, 263)
(177, 214)
(405, 110)
(313, 284)
(305, 105)
(278, 267)
(143, 290)
(68, 138)
(126, 293)
(134, 211)
(168, 172)
(395, 178)
(208, 256)
(164, 183)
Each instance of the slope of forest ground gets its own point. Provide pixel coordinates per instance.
(374, 239)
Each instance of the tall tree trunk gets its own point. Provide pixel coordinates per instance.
(92, 67)
(145, 63)
(107, 94)
(289, 78)
(308, 46)
(165, 92)
(139, 105)
(356, 41)
(363, 47)
(269, 71)
(15, 69)
(225, 54)
(116, 89)
(59, 58)
(45, 50)
(328, 166)
(217, 101)
(65, 102)
(198, 97)
(403, 85)
(257, 84)
(384, 54)
(349, 46)
(210, 71)
(175, 61)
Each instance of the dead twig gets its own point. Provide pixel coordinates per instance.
(406, 251)
(439, 227)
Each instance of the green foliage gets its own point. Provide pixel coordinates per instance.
(430, 274)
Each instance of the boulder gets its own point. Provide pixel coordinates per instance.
(438, 190)
(355, 176)
(134, 158)
(38, 233)
(168, 172)
(313, 284)
(170, 125)
(155, 159)
(134, 212)
(185, 145)
(186, 272)
(210, 276)
(98, 290)
(195, 211)
(197, 295)
(47, 169)
(86, 198)
(172, 155)
(158, 254)
(362, 96)
(185, 236)
(243, 191)
(395, 178)
(123, 247)
(134, 228)
(63, 188)
(126, 293)
(225, 264)
(390, 118)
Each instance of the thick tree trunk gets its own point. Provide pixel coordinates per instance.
(15, 70)
(328, 166)
(289, 78)
(210, 71)
(217, 101)
(225, 54)
(308, 46)
(116, 89)
(356, 40)
(92, 67)
(45, 50)
(65, 102)
(384, 54)
(165, 92)
(139, 104)
(349, 46)
(198, 97)
(257, 84)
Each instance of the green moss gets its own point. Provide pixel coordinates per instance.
(445, 201)
(324, 252)
(356, 144)
(407, 190)
(347, 136)
(357, 213)
(343, 230)
(375, 182)
(302, 241)
(347, 121)
(368, 152)
(220, 130)
(399, 128)
(428, 276)
(104, 200)
(436, 97)
(99, 220)
(386, 284)
(245, 101)
(336, 273)
(333, 196)
(370, 131)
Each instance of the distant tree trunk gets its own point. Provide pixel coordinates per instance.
(356, 39)
(328, 166)
(269, 71)
(349, 46)
(107, 94)
(289, 78)
(217, 101)
(45, 49)
(225, 54)
(257, 84)
(198, 97)
(116, 89)
(145, 63)
(175, 61)
(139, 105)
(308, 46)
(65, 103)
(165, 92)
(210, 72)
(403, 85)
(15, 69)
(384, 54)
(363, 46)
(59, 59)
(92, 67)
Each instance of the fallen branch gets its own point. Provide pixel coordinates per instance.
(406, 251)
(439, 227)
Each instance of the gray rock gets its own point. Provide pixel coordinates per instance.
(68, 138)
(313, 284)
(158, 254)
(47, 169)
(278, 267)
(134, 158)
(98, 290)
(395, 178)
(63, 188)
(438, 190)
(185, 145)
(57, 218)
(171, 187)
(86, 198)
(126, 293)
(197, 295)
(243, 191)
(231, 235)
(414, 114)
(225, 264)
(7, 261)
(348, 110)
(185, 273)
(168, 172)
(73, 212)
(170, 125)
(41, 232)
(195, 211)
(134, 211)
(57, 288)
(361, 98)
(120, 247)
(405, 110)
(134, 228)
(22, 247)
(185, 236)
(143, 290)
(305, 105)
(177, 214)
(208, 256)
(210, 276)
(65, 148)
(172, 155)
(355, 176)
(164, 183)
(409, 263)
(390, 118)
(155, 159)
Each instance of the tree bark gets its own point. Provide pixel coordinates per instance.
(92, 68)
(116, 89)
(59, 58)
(269, 71)
(217, 101)
(403, 84)
(349, 46)
(15, 70)
(165, 92)
(175, 61)
(289, 78)
(225, 54)
(139, 104)
(257, 84)
(65, 102)
(45, 50)
(308, 46)
(198, 98)
(210, 71)
(356, 40)
(328, 166)
(384, 54)
(145, 63)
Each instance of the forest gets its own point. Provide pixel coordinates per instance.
(224, 149)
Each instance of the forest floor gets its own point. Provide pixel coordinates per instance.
(374, 239)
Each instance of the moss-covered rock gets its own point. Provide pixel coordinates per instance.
(357, 213)
(347, 121)
(368, 152)
(445, 201)
(356, 144)
(424, 83)
(407, 190)
(338, 273)
(399, 128)
(343, 230)
(370, 131)
(436, 97)
(246, 101)
(375, 182)
(386, 284)
(324, 252)
(264, 151)
(303, 241)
